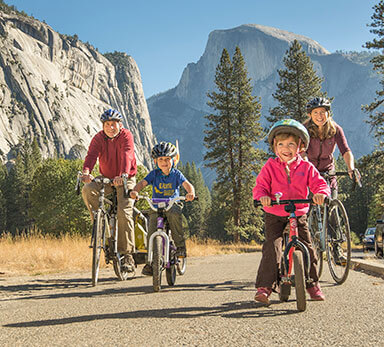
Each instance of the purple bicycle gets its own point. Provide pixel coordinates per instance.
(161, 248)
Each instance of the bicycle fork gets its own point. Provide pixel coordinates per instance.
(293, 244)
(165, 241)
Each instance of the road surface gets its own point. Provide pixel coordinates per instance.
(211, 305)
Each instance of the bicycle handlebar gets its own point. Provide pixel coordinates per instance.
(257, 203)
(356, 176)
(103, 180)
(162, 202)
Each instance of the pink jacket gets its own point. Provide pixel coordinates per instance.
(273, 178)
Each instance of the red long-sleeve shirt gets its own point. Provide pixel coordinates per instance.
(116, 155)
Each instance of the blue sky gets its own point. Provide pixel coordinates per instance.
(164, 36)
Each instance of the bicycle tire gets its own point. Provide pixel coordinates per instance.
(181, 266)
(315, 240)
(171, 275)
(298, 265)
(157, 262)
(96, 247)
(338, 242)
(284, 288)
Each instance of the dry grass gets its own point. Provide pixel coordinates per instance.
(39, 254)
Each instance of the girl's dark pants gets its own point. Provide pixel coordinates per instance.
(268, 272)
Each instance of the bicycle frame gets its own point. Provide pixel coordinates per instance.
(162, 230)
(294, 243)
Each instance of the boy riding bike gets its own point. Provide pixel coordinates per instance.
(166, 181)
(290, 175)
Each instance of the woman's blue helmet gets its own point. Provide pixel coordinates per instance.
(111, 114)
(289, 126)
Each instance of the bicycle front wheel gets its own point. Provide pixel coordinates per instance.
(96, 246)
(338, 242)
(298, 265)
(157, 262)
(313, 226)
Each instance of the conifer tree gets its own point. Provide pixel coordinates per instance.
(376, 114)
(298, 84)
(374, 163)
(232, 133)
(19, 185)
(196, 212)
(3, 202)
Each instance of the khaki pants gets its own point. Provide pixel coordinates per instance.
(126, 226)
(174, 217)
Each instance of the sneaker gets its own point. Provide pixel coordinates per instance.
(262, 295)
(181, 252)
(128, 263)
(315, 293)
(147, 270)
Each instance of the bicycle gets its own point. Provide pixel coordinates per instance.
(330, 233)
(295, 260)
(105, 231)
(161, 248)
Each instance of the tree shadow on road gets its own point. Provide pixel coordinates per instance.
(238, 309)
(29, 291)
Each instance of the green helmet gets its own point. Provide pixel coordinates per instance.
(289, 126)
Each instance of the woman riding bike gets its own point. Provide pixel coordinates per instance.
(325, 134)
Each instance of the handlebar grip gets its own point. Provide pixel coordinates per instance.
(357, 178)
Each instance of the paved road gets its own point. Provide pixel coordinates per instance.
(211, 305)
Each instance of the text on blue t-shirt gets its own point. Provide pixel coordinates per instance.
(165, 186)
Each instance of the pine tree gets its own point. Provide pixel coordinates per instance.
(376, 114)
(298, 84)
(196, 212)
(232, 134)
(3, 202)
(19, 186)
(374, 163)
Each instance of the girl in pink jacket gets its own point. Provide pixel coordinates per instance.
(289, 174)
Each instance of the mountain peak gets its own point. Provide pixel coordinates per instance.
(283, 35)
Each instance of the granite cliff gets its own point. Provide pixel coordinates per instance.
(54, 87)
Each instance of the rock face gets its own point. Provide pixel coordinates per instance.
(54, 87)
(179, 112)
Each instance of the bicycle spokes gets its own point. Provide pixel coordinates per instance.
(338, 242)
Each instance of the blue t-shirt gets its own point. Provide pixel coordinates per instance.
(165, 186)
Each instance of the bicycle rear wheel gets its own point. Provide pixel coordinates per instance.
(181, 266)
(313, 226)
(338, 242)
(298, 265)
(157, 262)
(171, 275)
(96, 246)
